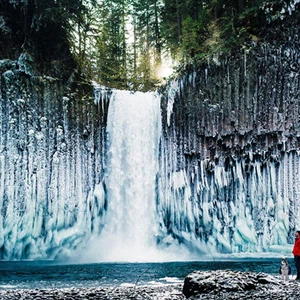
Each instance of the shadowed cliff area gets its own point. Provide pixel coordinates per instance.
(37, 34)
(231, 142)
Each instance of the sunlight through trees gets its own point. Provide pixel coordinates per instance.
(128, 44)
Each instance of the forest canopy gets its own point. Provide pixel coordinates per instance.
(130, 44)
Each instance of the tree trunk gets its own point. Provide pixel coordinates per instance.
(179, 23)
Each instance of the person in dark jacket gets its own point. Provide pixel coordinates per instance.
(296, 252)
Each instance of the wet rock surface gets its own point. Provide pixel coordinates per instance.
(227, 126)
(166, 292)
(238, 285)
(197, 285)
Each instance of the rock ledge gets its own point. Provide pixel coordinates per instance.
(227, 284)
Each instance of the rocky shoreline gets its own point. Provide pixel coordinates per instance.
(228, 284)
(165, 292)
(221, 285)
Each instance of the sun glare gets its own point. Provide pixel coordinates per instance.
(165, 69)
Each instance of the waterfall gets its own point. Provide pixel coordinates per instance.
(130, 193)
(133, 135)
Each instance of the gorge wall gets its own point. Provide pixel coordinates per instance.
(229, 165)
(230, 152)
(51, 159)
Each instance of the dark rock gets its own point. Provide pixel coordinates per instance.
(166, 292)
(227, 285)
(200, 282)
(220, 122)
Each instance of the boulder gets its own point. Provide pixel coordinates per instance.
(206, 282)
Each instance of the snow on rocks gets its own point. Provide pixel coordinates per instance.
(227, 284)
(165, 292)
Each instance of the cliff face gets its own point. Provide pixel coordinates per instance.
(231, 150)
(249, 101)
(48, 141)
(228, 173)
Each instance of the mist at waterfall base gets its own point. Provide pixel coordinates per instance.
(130, 224)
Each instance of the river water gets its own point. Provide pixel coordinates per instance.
(55, 274)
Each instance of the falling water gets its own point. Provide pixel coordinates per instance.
(133, 129)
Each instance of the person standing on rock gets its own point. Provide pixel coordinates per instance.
(296, 252)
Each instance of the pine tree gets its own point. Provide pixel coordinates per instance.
(111, 45)
(40, 29)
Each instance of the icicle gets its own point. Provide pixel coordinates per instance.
(172, 93)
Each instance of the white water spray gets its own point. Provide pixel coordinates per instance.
(133, 128)
(133, 135)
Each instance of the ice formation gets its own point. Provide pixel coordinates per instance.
(187, 169)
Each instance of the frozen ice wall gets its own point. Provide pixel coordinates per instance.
(212, 165)
(51, 160)
(230, 154)
(247, 207)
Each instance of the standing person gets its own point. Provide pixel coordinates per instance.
(296, 252)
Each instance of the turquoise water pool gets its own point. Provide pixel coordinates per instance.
(57, 274)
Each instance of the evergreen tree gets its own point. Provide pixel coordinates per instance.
(40, 29)
(111, 45)
(147, 43)
(120, 43)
